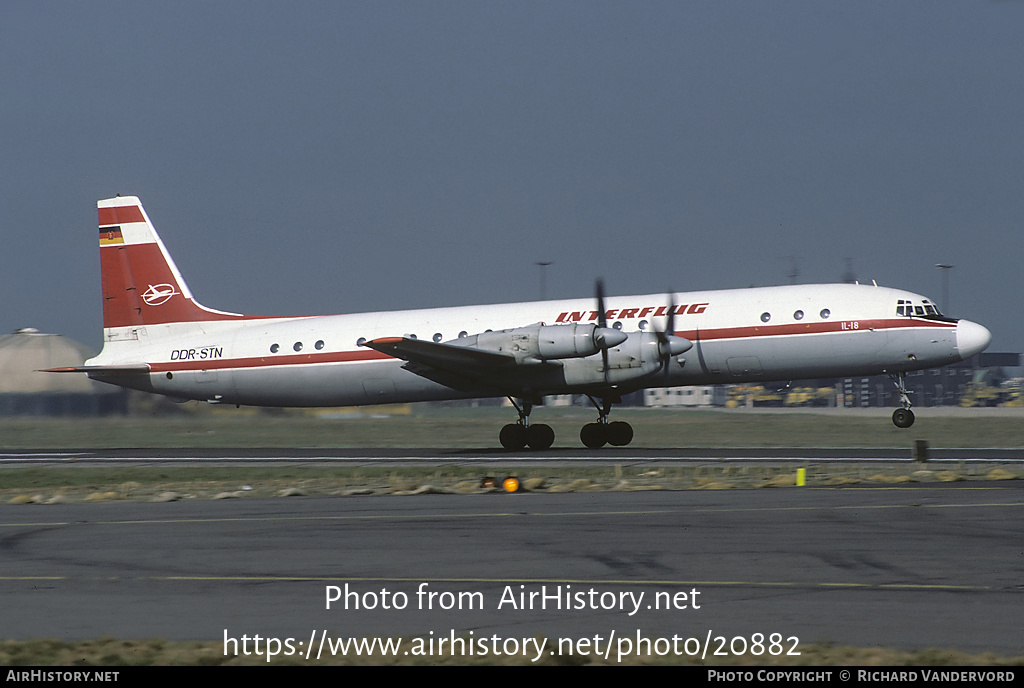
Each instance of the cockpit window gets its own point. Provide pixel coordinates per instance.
(925, 309)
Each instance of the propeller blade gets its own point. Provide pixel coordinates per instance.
(670, 322)
(665, 336)
(602, 323)
(670, 326)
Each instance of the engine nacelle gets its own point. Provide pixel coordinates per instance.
(546, 342)
(639, 356)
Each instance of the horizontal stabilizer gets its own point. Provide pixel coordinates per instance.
(135, 369)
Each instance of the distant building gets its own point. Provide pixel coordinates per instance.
(25, 391)
(703, 395)
(943, 386)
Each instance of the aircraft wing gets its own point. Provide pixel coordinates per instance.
(447, 357)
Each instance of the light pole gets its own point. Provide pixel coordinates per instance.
(945, 286)
(543, 274)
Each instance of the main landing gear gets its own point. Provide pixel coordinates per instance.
(596, 435)
(516, 436)
(539, 436)
(902, 417)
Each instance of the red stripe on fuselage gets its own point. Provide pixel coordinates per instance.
(789, 329)
(268, 361)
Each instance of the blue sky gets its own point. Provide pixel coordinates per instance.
(331, 157)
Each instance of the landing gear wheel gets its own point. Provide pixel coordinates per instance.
(619, 433)
(594, 435)
(903, 418)
(513, 436)
(540, 436)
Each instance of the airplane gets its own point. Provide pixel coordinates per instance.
(158, 338)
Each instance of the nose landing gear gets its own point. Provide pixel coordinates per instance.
(902, 417)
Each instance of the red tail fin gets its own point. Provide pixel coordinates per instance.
(141, 285)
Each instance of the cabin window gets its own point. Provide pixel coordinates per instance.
(274, 348)
(360, 341)
(617, 324)
(463, 334)
(799, 315)
(319, 344)
(642, 325)
(438, 337)
(825, 313)
(297, 346)
(765, 317)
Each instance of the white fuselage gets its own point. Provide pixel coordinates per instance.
(771, 333)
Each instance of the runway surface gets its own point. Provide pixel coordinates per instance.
(910, 567)
(450, 456)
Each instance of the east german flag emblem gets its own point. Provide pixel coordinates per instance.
(110, 235)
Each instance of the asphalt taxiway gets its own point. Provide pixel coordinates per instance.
(936, 565)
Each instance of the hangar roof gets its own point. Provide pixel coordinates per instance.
(25, 352)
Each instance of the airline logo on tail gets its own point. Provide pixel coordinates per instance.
(159, 294)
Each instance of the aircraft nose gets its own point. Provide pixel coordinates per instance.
(971, 338)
